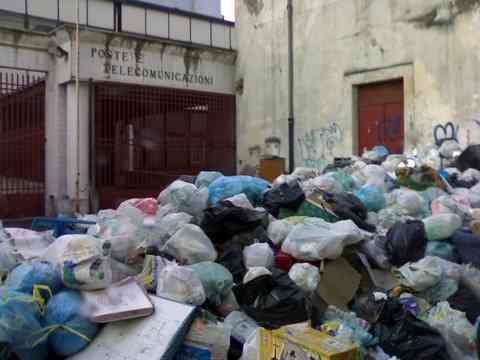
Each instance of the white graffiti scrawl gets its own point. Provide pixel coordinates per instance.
(317, 145)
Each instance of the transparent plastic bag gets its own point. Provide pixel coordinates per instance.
(442, 226)
(324, 182)
(278, 231)
(306, 276)
(190, 245)
(166, 227)
(410, 202)
(258, 255)
(470, 175)
(180, 284)
(392, 162)
(216, 280)
(205, 178)
(205, 340)
(8, 257)
(243, 327)
(185, 197)
(84, 261)
(459, 334)
(240, 200)
(422, 275)
(455, 204)
(318, 240)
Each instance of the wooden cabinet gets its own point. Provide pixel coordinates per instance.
(270, 169)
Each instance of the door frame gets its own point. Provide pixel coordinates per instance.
(356, 78)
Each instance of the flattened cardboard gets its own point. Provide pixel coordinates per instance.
(121, 301)
(339, 283)
(157, 337)
(380, 278)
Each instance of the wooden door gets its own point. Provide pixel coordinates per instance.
(381, 116)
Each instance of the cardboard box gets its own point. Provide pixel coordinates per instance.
(299, 342)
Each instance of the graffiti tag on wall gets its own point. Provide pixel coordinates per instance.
(318, 145)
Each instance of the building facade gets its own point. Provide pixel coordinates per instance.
(154, 100)
(366, 73)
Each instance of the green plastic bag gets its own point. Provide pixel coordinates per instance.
(217, 281)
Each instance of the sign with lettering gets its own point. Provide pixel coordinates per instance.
(158, 65)
(130, 63)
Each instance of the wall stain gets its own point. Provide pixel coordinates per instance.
(254, 7)
(191, 59)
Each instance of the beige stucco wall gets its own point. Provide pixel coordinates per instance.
(434, 47)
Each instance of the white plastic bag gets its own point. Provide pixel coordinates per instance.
(8, 258)
(243, 327)
(29, 244)
(392, 162)
(409, 202)
(255, 272)
(166, 227)
(258, 255)
(324, 182)
(240, 200)
(319, 240)
(473, 197)
(470, 175)
(306, 276)
(190, 245)
(180, 284)
(452, 205)
(185, 197)
(304, 173)
(84, 261)
(278, 231)
(442, 226)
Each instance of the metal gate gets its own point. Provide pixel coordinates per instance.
(22, 144)
(146, 137)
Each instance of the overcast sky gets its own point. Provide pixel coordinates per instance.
(228, 9)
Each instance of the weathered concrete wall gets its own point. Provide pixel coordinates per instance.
(432, 44)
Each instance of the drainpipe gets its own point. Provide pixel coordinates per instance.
(291, 118)
(77, 93)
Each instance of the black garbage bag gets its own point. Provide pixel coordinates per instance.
(348, 207)
(232, 259)
(224, 220)
(406, 242)
(469, 159)
(403, 335)
(467, 246)
(455, 182)
(247, 238)
(289, 196)
(273, 301)
(464, 300)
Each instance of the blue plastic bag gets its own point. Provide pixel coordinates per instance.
(228, 186)
(217, 281)
(372, 197)
(68, 330)
(29, 274)
(20, 326)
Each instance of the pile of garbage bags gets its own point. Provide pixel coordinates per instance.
(379, 255)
